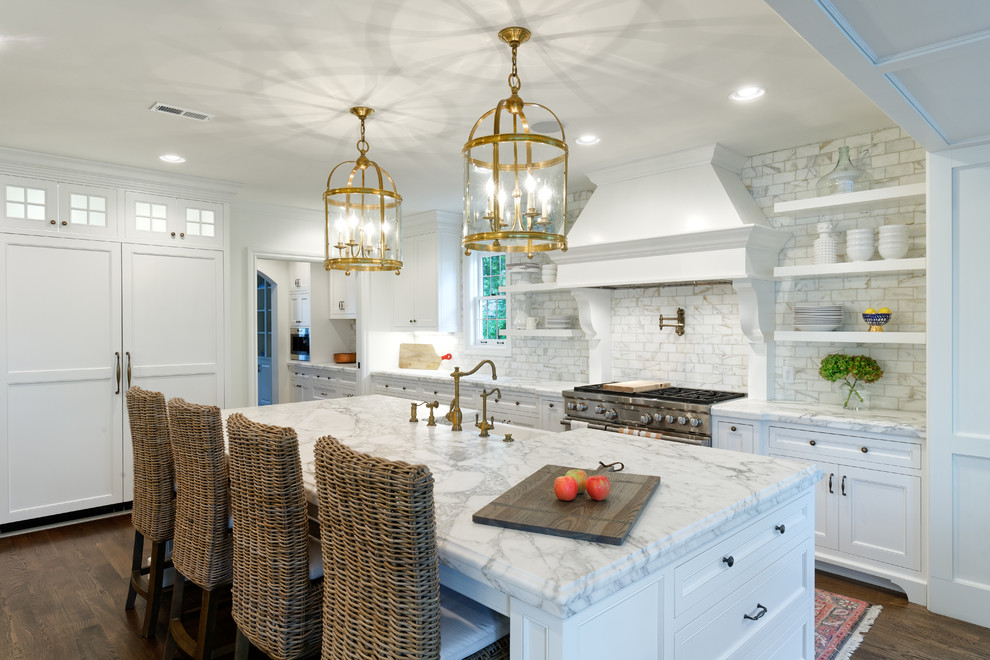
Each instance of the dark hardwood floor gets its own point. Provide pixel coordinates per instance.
(62, 594)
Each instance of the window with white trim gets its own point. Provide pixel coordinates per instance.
(489, 303)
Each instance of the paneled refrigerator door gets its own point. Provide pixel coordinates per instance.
(60, 397)
(173, 323)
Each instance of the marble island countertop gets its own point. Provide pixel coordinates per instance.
(483, 375)
(703, 493)
(892, 422)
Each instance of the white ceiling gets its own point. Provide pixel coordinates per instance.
(649, 77)
(925, 63)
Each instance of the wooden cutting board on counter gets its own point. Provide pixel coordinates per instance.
(630, 386)
(418, 356)
(531, 506)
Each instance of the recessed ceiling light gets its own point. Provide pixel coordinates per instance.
(173, 158)
(747, 93)
(587, 139)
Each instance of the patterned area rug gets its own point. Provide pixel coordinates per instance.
(840, 623)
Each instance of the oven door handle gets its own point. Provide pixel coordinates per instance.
(699, 442)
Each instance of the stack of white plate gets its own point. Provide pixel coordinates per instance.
(860, 244)
(817, 318)
(559, 322)
(893, 241)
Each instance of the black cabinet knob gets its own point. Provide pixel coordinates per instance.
(812, 443)
(865, 449)
(729, 560)
(780, 528)
(732, 428)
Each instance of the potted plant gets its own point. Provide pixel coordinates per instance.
(860, 368)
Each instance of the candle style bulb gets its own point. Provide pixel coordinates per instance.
(545, 197)
(490, 189)
(531, 189)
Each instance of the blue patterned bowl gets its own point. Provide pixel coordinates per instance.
(876, 321)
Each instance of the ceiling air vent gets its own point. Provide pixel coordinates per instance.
(180, 112)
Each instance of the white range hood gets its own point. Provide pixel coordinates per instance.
(684, 217)
(677, 218)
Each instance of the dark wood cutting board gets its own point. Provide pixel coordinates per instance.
(531, 506)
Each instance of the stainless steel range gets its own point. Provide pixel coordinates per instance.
(680, 414)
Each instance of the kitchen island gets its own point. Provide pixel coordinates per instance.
(719, 564)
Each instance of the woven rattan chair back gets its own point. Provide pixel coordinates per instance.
(380, 563)
(203, 546)
(276, 606)
(154, 475)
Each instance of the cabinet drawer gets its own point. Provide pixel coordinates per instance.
(403, 389)
(324, 391)
(736, 437)
(709, 577)
(770, 596)
(817, 445)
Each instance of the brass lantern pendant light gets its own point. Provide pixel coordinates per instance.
(363, 216)
(515, 180)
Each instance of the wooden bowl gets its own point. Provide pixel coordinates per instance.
(345, 358)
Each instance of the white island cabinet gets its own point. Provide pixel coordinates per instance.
(726, 575)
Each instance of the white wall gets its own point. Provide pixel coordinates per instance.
(265, 231)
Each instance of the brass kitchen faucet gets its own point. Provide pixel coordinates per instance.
(455, 416)
(484, 424)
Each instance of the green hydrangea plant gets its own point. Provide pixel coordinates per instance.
(861, 368)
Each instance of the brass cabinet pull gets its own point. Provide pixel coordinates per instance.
(182, 234)
(117, 353)
(843, 485)
(550, 405)
(52, 221)
(865, 449)
(128, 354)
(173, 234)
(812, 443)
(732, 428)
(830, 475)
(64, 223)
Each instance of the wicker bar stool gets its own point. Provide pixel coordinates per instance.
(382, 595)
(153, 515)
(203, 547)
(278, 568)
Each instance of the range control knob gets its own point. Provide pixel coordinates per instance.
(599, 409)
(582, 407)
(646, 419)
(669, 419)
(571, 405)
(695, 422)
(682, 420)
(611, 414)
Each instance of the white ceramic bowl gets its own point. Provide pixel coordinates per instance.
(859, 253)
(893, 251)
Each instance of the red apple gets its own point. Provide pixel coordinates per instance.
(580, 476)
(598, 487)
(565, 488)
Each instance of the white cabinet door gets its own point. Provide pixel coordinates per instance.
(343, 295)
(199, 223)
(29, 203)
(426, 293)
(881, 516)
(299, 308)
(173, 322)
(827, 507)
(735, 436)
(551, 413)
(61, 439)
(167, 220)
(300, 389)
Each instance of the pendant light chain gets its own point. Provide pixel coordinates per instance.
(514, 82)
(362, 144)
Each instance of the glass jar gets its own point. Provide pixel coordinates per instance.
(844, 178)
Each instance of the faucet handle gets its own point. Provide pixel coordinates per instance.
(412, 412)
